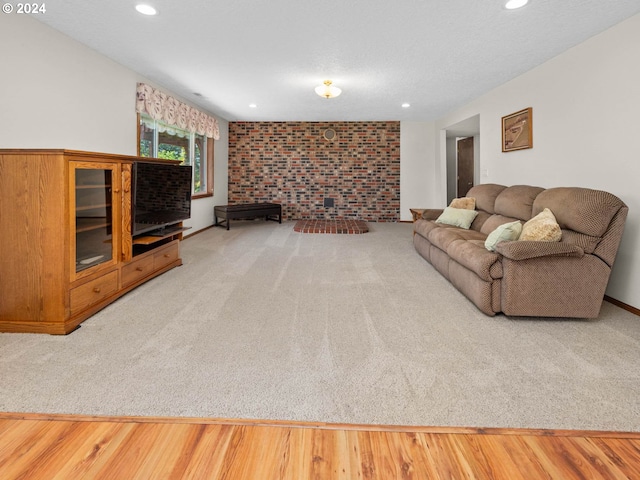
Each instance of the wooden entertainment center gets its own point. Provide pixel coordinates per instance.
(67, 249)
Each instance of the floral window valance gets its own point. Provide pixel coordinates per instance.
(160, 106)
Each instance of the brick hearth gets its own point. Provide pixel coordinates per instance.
(331, 226)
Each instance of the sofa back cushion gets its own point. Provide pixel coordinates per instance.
(592, 219)
(494, 221)
(517, 201)
(480, 220)
(485, 195)
(582, 210)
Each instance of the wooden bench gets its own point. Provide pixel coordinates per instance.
(226, 213)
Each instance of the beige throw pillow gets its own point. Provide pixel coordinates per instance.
(505, 232)
(543, 228)
(458, 217)
(468, 203)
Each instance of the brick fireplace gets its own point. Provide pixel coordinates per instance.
(354, 175)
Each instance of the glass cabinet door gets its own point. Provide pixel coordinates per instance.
(95, 216)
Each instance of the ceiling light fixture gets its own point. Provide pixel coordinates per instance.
(327, 90)
(253, 105)
(406, 105)
(146, 9)
(513, 4)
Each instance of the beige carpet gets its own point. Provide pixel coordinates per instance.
(264, 322)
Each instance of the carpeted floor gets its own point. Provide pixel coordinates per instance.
(263, 322)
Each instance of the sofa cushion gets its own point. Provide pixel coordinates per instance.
(517, 201)
(472, 255)
(423, 227)
(458, 217)
(468, 203)
(504, 233)
(480, 220)
(494, 221)
(443, 236)
(485, 195)
(542, 228)
(580, 209)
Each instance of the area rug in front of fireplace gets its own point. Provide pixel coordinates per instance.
(331, 226)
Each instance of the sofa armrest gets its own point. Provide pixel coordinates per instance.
(432, 213)
(525, 249)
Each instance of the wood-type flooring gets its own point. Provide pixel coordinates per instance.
(68, 447)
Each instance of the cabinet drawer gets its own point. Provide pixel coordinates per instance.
(137, 270)
(166, 255)
(92, 292)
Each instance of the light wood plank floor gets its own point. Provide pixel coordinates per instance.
(78, 447)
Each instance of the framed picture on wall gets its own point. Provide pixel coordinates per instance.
(517, 131)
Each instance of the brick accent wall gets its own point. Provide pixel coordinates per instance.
(291, 163)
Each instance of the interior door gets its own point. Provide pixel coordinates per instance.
(465, 166)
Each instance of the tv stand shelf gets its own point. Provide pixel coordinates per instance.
(150, 238)
(70, 251)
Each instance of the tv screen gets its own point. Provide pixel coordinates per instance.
(161, 195)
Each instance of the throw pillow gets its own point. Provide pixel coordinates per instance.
(458, 217)
(504, 233)
(468, 203)
(543, 228)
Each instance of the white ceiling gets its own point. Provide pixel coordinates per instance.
(434, 54)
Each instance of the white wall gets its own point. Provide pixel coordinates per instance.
(586, 116)
(58, 93)
(417, 162)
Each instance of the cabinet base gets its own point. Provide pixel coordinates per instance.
(73, 323)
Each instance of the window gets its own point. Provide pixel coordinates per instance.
(173, 130)
(169, 142)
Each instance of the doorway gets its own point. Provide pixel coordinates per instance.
(466, 166)
(468, 128)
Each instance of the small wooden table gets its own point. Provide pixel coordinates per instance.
(417, 213)
(226, 213)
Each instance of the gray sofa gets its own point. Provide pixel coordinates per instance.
(529, 278)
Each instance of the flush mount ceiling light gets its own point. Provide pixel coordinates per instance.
(327, 90)
(513, 4)
(146, 9)
(406, 105)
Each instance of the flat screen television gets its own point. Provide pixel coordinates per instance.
(160, 195)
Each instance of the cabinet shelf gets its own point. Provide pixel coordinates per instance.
(90, 186)
(150, 239)
(93, 207)
(88, 224)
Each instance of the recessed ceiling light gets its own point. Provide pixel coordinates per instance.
(146, 9)
(253, 105)
(513, 4)
(406, 105)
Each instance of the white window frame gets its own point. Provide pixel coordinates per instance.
(205, 174)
